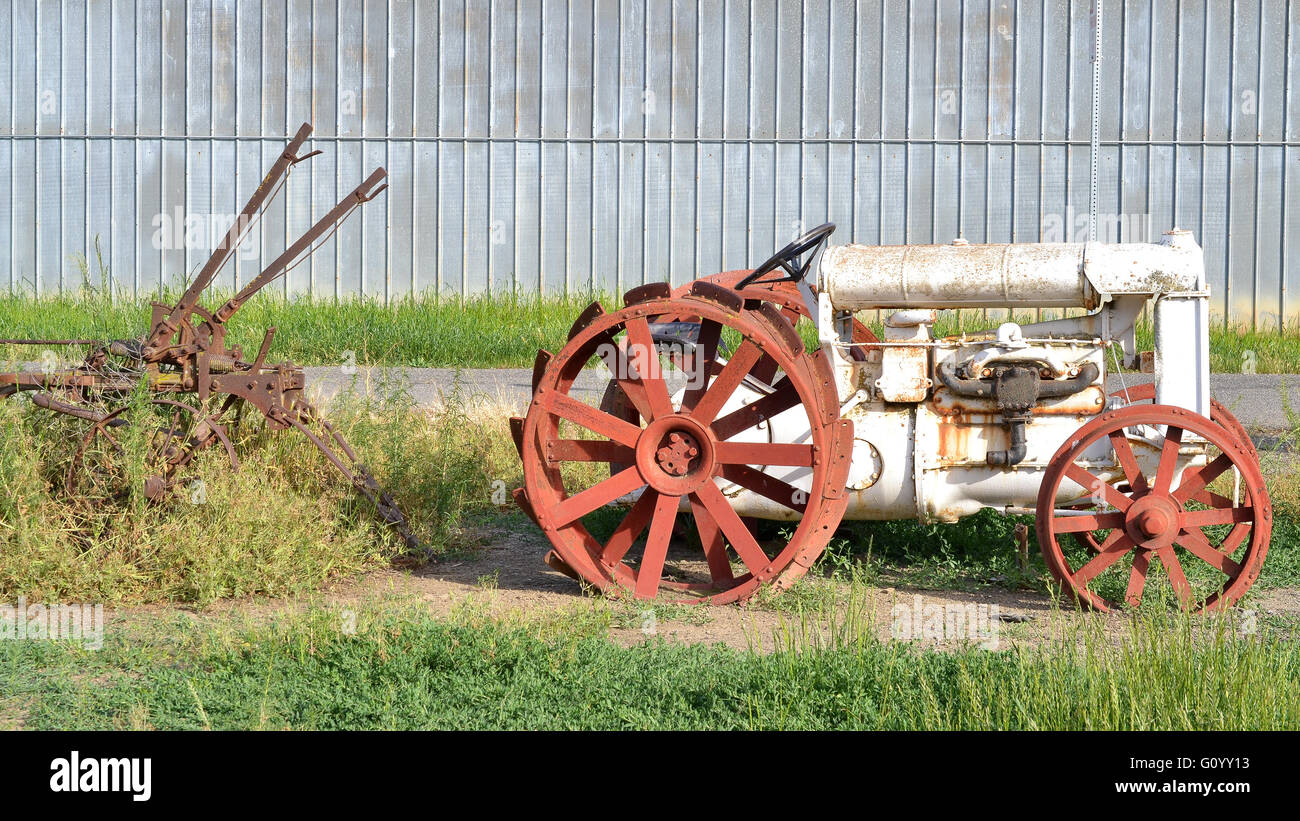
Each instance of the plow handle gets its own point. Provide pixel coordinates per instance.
(161, 334)
(363, 193)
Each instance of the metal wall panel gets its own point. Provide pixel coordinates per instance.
(566, 145)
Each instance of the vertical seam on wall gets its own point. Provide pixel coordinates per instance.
(1254, 248)
(1205, 40)
(645, 141)
(853, 148)
(1121, 223)
(489, 286)
(1286, 120)
(591, 162)
(667, 146)
(618, 160)
(1015, 119)
(829, 96)
(695, 189)
(1177, 125)
(749, 145)
(961, 121)
(907, 127)
(1094, 148)
(337, 246)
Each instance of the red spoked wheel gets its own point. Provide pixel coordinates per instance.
(1146, 394)
(1184, 520)
(1219, 413)
(686, 456)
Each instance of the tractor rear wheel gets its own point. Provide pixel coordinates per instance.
(686, 453)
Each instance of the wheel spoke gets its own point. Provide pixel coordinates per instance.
(1193, 483)
(598, 495)
(656, 547)
(1111, 551)
(765, 370)
(1212, 499)
(1137, 577)
(593, 419)
(1092, 484)
(715, 550)
(1194, 542)
(783, 398)
(629, 530)
(648, 370)
(726, 383)
(767, 486)
(1080, 524)
(763, 453)
(706, 353)
(1218, 516)
(1124, 453)
(742, 541)
(635, 392)
(1168, 458)
(1174, 570)
(588, 450)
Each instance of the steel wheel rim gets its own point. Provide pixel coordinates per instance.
(176, 447)
(604, 564)
(1132, 525)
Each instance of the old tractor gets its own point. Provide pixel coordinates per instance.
(194, 383)
(720, 413)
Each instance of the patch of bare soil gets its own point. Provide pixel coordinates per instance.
(506, 577)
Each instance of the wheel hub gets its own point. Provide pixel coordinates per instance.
(675, 455)
(679, 454)
(1153, 521)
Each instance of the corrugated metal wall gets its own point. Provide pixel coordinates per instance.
(570, 144)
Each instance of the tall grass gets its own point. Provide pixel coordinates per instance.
(285, 522)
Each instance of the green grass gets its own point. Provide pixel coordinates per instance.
(472, 333)
(475, 332)
(403, 670)
(284, 523)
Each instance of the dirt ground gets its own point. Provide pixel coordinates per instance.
(507, 578)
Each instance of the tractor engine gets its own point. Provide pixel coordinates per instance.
(946, 426)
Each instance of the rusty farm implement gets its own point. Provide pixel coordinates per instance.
(195, 383)
(1146, 490)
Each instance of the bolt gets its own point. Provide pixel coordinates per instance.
(1152, 522)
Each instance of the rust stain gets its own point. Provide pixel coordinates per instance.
(954, 441)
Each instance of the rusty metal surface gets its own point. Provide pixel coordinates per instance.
(196, 381)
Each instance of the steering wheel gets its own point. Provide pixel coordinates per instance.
(788, 258)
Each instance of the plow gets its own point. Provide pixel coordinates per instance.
(182, 385)
(748, 414)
